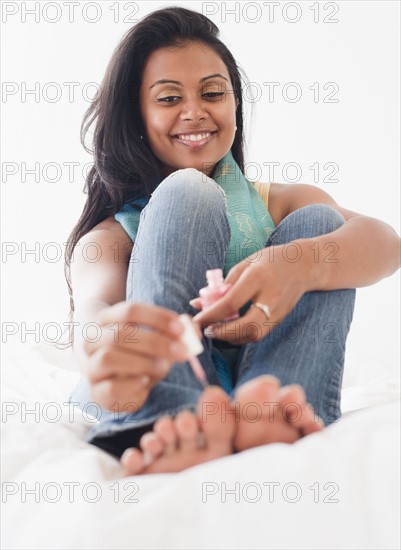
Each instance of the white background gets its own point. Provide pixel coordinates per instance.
(360, 133)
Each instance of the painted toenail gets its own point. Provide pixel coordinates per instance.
(150, 436)
(147, 458)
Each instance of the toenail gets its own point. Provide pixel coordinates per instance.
(147, 458)
(149, 436)
(126, 453)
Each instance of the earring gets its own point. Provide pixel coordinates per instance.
(141, 137)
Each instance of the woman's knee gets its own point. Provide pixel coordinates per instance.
(307, 222)
(192, 183)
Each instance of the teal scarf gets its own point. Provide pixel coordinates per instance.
(250, 222)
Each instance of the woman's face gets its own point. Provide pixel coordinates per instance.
(177, 114)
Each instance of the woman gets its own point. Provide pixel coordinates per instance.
(167, 201)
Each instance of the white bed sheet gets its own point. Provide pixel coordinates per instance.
(227, 503)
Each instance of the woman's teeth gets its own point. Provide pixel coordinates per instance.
(194, 137)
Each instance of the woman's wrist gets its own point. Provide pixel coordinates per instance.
(313, 268)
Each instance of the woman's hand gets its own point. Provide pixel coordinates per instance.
(276, 276)
(133, 353)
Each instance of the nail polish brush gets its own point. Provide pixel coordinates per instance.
(194, 346)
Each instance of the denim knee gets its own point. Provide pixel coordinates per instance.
(194, 183)
(307, 222)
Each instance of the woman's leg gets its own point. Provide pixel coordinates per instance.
(183, 232)
(308, 346)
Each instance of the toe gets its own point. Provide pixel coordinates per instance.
(133, 461)
(292, 404)
(260, 418)
(217, 420)
(297, 411)
(258, 398)
(187, 428)
(152, 444)
(164, 428)
(313, 422)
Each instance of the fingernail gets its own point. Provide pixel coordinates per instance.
(191, 302)
(211, 329)
(145, 380)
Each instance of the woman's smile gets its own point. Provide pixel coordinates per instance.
(195, 141)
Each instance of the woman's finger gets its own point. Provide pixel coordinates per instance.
(236, 271)
(195, 303)
(137, 339)
(232, 276)
(239, 294)
(255, 325)
(108, 362)
(251, 327)
(156, 317)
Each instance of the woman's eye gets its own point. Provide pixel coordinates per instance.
(207, 95)
(168, 98)
(212, 95)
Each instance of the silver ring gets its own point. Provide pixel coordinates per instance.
(264, 308)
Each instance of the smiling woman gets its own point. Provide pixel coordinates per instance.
(168, 188)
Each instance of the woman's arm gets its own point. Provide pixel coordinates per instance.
(121, 357)
(361, 252)
(97, 285)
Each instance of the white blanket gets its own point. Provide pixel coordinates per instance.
(337, 489)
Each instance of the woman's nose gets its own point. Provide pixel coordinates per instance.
(193, 110)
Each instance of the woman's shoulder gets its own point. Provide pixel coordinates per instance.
(110, 232)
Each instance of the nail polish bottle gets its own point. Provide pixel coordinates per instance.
(216, 289)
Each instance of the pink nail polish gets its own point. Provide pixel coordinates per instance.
(216, 289)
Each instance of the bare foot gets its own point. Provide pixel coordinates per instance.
(266, 413)
(187, 440)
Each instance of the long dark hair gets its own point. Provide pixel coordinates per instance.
(124, 165)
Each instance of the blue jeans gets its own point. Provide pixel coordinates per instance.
(183, 232)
